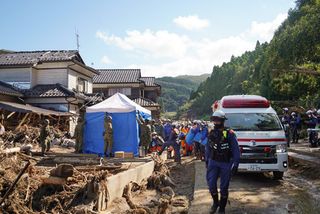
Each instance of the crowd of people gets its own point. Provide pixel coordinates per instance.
(181, 138)
(292, 124)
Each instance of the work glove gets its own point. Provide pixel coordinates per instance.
(234, 170)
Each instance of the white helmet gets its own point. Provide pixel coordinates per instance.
(318, 112)
(309, 112)
(219, 114)
(293, 113)
(285, 109)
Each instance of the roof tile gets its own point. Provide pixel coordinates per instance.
(118, 76)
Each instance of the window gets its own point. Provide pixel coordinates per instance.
(82, 85)
(253, 122)
(125, 91)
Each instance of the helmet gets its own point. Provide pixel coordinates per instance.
(285, 109)
(309, 112)
(293, 114)
(108, 118)
(318, 112)
(219, 114)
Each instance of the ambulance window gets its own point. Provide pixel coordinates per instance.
(253, 122)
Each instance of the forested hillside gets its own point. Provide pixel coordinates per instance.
(176, 90)
(286, 70)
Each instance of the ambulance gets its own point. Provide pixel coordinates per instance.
(259, 131)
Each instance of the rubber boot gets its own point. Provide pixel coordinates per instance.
(215, 204)
(223, 203)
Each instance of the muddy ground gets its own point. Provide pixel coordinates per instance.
(298, 192)
(250, 193)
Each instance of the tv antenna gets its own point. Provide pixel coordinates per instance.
(77, 38)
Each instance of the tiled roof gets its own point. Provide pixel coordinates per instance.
(10, 90)
(118, 76)
(144, 102)
(53, 90)
(32, 57)
(149, 81)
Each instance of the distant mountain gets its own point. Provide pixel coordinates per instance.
(176, 90)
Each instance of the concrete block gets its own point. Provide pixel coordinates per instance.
(116, 183)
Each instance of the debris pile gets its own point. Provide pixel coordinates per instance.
(166, 202)
(60, 189)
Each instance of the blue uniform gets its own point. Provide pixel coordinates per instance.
(166, 131)
(172, 141)
(222, 168)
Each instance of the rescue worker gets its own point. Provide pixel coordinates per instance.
(45, 137)
(152, 126)
(159, 128)
(184, 144)
(108, 136)
(145, 136)
(311, 125)
(172, 141)
(204, 136)
(286, 124)
(222, 160)
(78, 135)
(196, 140)
(295, 126)
(167, 130)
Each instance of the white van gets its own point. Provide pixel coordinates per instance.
(259, 132)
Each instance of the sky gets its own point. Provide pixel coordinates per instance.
(162, 38)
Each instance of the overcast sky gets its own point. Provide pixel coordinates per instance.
(163, 38)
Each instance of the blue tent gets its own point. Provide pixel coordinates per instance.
(125, 127)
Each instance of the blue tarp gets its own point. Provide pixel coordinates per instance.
(125, 132)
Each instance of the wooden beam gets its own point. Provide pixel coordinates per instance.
(23, 119)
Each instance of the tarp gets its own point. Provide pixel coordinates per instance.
(125, 127)
(118, 103)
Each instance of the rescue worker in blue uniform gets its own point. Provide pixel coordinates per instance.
(222, 160)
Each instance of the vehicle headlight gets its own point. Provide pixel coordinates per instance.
(281, 148)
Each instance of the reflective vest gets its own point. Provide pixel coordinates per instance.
(220, 146)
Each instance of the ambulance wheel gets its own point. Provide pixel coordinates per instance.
(277, 175)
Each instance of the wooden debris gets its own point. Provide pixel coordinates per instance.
(54, 180)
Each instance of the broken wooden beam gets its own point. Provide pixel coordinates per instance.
(15, 182)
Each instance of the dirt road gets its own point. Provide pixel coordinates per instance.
(259, 193)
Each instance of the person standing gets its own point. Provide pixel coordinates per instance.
(196, 139)
(167, 130)
(295, 126)
(173, 141)
(145, 138)
(78, 135)
(108, 135)
(45, 137)
(222, 160)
